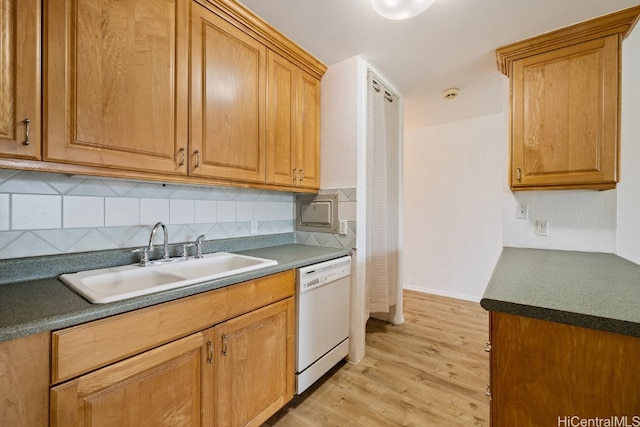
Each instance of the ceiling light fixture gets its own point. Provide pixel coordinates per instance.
(400, 9)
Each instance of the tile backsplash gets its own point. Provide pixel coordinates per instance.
(46, 214)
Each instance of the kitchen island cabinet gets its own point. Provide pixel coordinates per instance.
(564, 337)
(544, 371)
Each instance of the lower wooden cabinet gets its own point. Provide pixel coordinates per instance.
(254, 361)
(160, 387)
(221, 358)
(550, 374)
(24, 381)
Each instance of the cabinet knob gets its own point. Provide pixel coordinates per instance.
(26, 131)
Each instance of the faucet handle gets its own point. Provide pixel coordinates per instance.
(198, 245)
(185, 246)
(144, 258)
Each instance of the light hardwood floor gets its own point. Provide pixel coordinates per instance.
(431, 371)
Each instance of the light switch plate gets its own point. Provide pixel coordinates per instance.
(343, 227)
(523, 211)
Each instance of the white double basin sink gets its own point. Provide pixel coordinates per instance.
(118, 283)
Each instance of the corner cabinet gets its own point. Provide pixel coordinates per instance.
(222, 358)
(293, 125)
(544, 373)
(20, 79)
(565, 103)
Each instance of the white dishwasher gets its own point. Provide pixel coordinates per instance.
(322, 332)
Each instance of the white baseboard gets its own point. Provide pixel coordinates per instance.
(440, 292)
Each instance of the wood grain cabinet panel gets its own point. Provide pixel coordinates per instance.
(565, 116)
(161, 387)
(293, 125)
(20, 79)
(228, 73)
(565, 104)
(542, 370)
(255, 365)
(24, 388)
(115, 84)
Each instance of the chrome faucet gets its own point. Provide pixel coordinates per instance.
(165, 254)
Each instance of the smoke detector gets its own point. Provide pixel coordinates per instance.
(451, 93)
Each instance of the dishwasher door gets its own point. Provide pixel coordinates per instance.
(323, 319)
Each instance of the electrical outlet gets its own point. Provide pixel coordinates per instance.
(523, 212)
(343, 227)
(542, 227)
(254, 226)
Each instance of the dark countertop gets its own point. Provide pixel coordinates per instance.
(44, 304)
(592, 290)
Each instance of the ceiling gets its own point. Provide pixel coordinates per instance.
(452, 44)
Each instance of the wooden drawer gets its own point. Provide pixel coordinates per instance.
(87, 347)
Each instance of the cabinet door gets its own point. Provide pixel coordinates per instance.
(542, 372)
(308, 145)
(116, 88)
(565, 116)
(294, 125)
(255, 365)
(156, 388)
(228, 74)
(20, 79)
(282, 121)
(24, 389)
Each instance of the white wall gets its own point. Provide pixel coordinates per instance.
(339, 123)
(628, 233)
(459, 210)
(454, 179)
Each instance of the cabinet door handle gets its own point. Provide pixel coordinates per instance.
(518, 174)
(225, 342)
(26, 131)
(295, 175)
(182, 156)
(210, 352)
(488, 391)
(301, 175)
(487, 348)
(197, 154)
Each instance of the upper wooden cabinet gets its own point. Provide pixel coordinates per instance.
(115, 84)
(20, 79)
(293, 125)
(173, 91)
(565, 103)
(228, 72)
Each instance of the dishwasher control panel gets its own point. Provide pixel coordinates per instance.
(325, 272)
